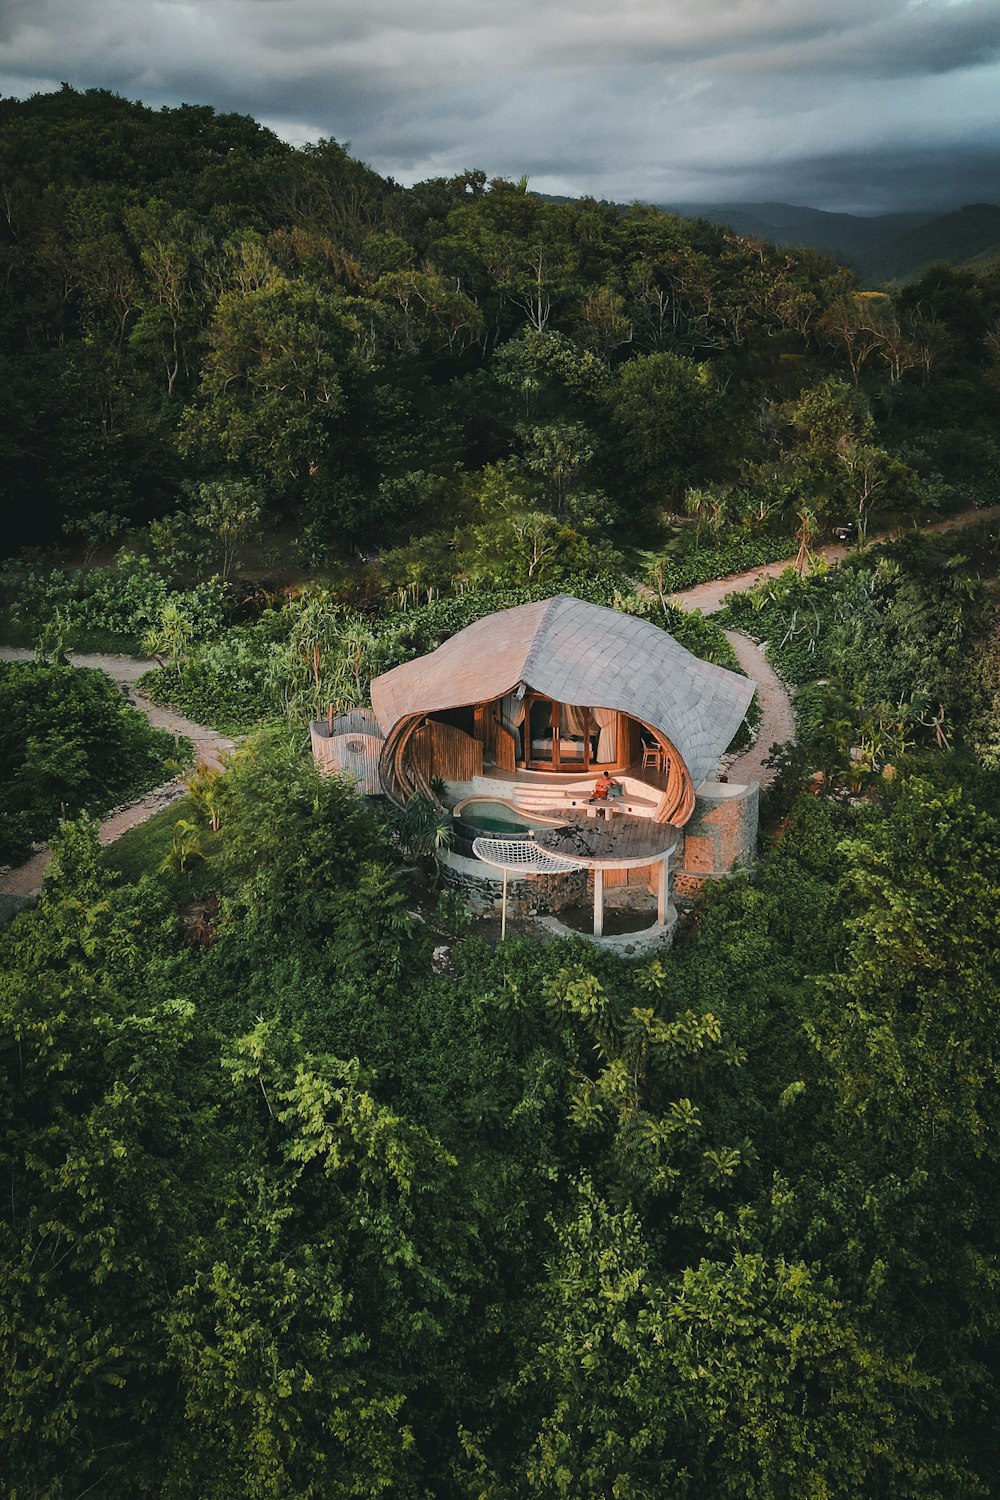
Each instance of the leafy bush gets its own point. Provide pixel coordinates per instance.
(68, 741)
(122, 602)
(229, 683)
(683, 570)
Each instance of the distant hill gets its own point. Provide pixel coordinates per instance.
(883, 247)
(886, 247)
(958, 237)
(986, 261)
(846, 236)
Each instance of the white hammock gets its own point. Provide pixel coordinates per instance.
(524, 858)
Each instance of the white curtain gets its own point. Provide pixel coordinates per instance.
(607, 746)
(573, 720)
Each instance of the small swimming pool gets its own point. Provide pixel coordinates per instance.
(491, 815)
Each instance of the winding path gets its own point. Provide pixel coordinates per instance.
(777, 720)
(710, 597)
(209, 747)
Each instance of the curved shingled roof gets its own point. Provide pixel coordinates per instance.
(582, 654)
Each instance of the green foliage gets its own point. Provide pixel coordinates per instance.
(228, 683)
(663, 408)
(884, 654)
(144, 850)
(306, 1196)
(742, 1378)
(301, 1201)
(189, 302)
(123, 603)
(683, 570)
(231, 512)
(422, 828)
(68, 741)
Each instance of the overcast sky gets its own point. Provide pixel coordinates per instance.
(863, 105)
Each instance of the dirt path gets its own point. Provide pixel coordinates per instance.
(709, 597)
(777, 722)
(208, 747)
(777, 719)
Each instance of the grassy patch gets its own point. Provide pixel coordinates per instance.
(144, 848)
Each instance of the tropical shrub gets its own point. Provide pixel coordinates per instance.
(68, 742)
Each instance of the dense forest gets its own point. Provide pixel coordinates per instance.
(309, 1187)
(189, 303)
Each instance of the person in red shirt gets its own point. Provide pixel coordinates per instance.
(602, 787)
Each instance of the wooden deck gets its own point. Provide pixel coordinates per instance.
(618, 841)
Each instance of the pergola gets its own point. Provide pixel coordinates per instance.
(580, 844)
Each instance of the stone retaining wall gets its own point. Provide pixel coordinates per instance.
(527, 895)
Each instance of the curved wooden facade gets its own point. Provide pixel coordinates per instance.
(617, 680)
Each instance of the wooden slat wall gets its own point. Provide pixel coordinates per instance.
(322, 749)
(504, 749)
(677, 803)
(354, 721)
(646, 875)
(354, 755)
(442, 750)
(629, 740)
(486, 727)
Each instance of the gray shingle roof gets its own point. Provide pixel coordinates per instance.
(582, 654)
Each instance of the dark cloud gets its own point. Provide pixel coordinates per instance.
(935, 180)
(877, 103)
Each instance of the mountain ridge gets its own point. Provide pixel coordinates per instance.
(884, 247)
(892, 247)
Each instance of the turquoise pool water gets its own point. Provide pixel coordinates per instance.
(496, 817)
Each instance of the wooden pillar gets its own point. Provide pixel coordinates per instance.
(598, 902)
(662, 887)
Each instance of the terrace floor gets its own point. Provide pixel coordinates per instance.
(554, 791)
(617, 841)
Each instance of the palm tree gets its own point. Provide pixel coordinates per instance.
(806, 534)
(170, 638)
(423, 830)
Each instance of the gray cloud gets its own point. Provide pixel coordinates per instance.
(869, 103)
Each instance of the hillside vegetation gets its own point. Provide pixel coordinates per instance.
(188, 305)
(311, 1188)
(881, 248)
(958, 237)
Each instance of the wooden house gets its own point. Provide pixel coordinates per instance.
(526, 707)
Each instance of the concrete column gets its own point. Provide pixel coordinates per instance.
(598, 902)
(662, 888)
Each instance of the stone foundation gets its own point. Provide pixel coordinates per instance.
(527, 895)
(546, 895)
(720, 837)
